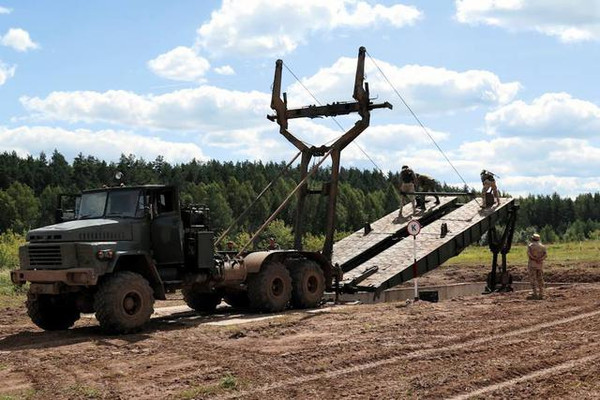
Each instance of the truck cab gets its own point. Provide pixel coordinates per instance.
(138, 232)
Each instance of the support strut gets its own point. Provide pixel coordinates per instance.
(501, 281)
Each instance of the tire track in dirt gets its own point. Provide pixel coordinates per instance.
(412, 356)
(524, 378)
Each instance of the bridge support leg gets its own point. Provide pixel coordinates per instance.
(502, 281)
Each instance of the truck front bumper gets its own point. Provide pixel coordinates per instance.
(70, 277)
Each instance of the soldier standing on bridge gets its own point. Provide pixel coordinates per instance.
(536, 252)
(426, 184)
(408, 182)
(488, 180)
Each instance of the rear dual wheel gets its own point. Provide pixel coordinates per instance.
(308, 283)
(271, 289)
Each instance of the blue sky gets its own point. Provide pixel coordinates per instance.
(506, 85)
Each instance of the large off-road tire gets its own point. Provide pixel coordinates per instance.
(52, 312)
(200, 301)
(237, 298)
(271, 289)
(124, 302)
(308, 283)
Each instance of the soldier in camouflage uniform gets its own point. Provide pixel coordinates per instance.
(536, 252)
(489, 182)
(408, 182)
(426, 183)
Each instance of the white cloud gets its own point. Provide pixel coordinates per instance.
(104, 144)
(199, 109)
(570, 21)
(268, 28)
(425, 88)
(225, 70)
(6, 72)
(552, 114)
(180, 64)
(18, 39)
(524, 165)
(4, 10)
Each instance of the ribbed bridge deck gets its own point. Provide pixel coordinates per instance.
(383, 258)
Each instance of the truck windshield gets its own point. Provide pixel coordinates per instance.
(114, 203)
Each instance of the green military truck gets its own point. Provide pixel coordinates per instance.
(124, 247)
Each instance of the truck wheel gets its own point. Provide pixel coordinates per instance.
(124, 302)
(308, 284)
(200, 301)
(52, 312)
(271, 289)
(237, 299)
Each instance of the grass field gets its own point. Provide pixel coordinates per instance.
(587, 251)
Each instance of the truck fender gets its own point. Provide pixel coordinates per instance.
(142, 264)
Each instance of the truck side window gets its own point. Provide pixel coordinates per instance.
(165, 202)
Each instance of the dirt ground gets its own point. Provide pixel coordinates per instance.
(501, 345)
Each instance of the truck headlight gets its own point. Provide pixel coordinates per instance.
(105, 255)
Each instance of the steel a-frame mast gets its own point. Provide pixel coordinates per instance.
(362, 106)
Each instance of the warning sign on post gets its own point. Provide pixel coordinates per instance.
(414, 227)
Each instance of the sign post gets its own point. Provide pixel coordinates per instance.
(414, 228)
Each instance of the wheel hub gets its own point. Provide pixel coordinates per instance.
(132, 303)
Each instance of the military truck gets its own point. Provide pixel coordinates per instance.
(125, 247)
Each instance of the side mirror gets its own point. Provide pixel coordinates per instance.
(148, 212)
(58, 215)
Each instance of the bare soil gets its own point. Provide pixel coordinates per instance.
(500, 345)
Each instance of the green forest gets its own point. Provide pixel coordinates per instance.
(29, 189)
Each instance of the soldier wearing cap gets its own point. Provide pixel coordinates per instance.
(536, 252)
(489, 182)
(408, 182)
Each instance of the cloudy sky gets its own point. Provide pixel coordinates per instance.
(506, 85)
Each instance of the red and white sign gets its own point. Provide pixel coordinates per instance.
(414, 227)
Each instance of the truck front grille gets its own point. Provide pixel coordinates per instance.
(45, 256)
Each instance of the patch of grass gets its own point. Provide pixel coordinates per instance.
(195, 392)
(586, 251)
(25, 395)
(227, 383)
(10, 294)
(9, 249)
(80, 391)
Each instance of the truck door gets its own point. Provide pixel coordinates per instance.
(166, 229)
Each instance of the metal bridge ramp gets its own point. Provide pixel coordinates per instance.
(395, 265)
(358, 247)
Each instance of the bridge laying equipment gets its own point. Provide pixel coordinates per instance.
(380, 257)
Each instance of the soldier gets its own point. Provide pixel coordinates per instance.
(536, 252)
(427, 184)
(488, 180)
(408, 182)
(272, 244)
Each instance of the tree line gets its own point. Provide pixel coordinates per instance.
(29, 189)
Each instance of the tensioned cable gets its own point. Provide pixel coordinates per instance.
(335, 120)
(314, 98)
(417, 118)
